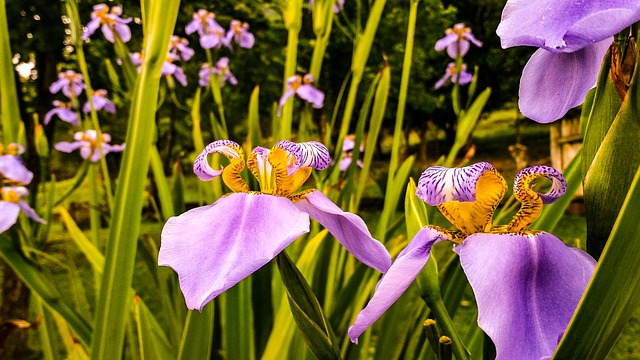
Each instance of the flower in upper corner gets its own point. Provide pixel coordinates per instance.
(457, 41)
(110, 23)
(302, 86)
(63, 111)
(12, 170)
(100, 101)
(221, 69)
(239, 31)
(214, 247)
(347, 153)
(70, 82)
(452, 74)
(572, 37)
(527, 283)
(171, 69)
(179, 47)
(90, 147)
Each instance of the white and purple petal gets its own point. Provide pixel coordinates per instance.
(9, 216)
(439, 184)
(230, 149)
(552, 83)
(214, 247)
(349, 229)
(527, 287)
(558, 183)
(397, 280)
(309, 153)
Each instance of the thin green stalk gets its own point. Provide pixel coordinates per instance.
(9, 109)
(114, 302)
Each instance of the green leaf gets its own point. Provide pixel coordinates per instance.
(394, 189)
(197, 337)
(9, 106)
(255, 132)
(162, 185)
(306, 311)
(237, 313)
(614, 291)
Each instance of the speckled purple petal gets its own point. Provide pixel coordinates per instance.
(12, 168)
(553, 83)
(213, 247)
(558, 183)
(396, 281)
(309, 153)
(564, 25)
(9, 216)
(527, 288)
(230, 149)
(349, 229)
(439, 184)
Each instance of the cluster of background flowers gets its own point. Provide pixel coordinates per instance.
(457, 41)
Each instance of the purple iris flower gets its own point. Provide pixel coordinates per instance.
(63, 111)
(302, 86)
(452, 73)
(457, 41)
(136, 58)
(527, 283)
(110, 22)
(12, 170)
(11, 204)
(573, 37)
(212, 35)
(179, 46)
(100, 101)
(239, 31)
(70, 82)
(90, 148)
(347, 153)
(171, 69)
(214, 247)
(221, 69)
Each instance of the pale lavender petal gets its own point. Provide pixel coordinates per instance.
(57, 85)
(439, 184)
(229, 148)
(564, 25)
(449, 39)
(397, 280)
(527, 287)
(112, 148)
(287, 94)
(87, 153)
(30, 212)
(246, 40)
(465, 77)
(452, 50)
(49, 115)
(470, 37)
(123, 31)
(67, 115)
(13, 169)
(349, 229)
(108, 33)
(9, 216)
(67, 147)
(91, 28)
(552, 83)
(558, 183)
(193, 26)
(210, 41)
(180, 76)
(311, 94)
(344, 163)
(442, 80)
(213, 247)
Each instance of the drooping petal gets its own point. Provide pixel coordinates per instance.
(466, 196)
(553, 83)
(349, 229)
(396, 281)
(564, 25)
(287, 94)
(442, 80)
(91, 27)
(123, 31)
(310, 153)
(449, 39)
(30, 212)
(311, 94)
(67, 147)
(214, 247)
(13, 169)
(452, 50)
(9, 216)
(464, 79)
(527, 287)
(230, 149)
(107, 31)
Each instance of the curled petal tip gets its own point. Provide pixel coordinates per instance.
(439, 184)
(558, 183)
(230, 149)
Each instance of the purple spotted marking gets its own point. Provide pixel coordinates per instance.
(310, 153)
(558, 183)
(439, 184)
(229, 148)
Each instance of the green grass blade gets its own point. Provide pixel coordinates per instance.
(237, 310)
(9, 107)
(612, 295)
(395, 188)
(113, 303)
(197, 335)
(162, 185)
(255, 132)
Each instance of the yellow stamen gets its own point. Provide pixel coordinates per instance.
(279, 160)
(231, 176)
(531, 204)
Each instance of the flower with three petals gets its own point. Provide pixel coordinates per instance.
(572, 37)
(214, 247)
(109, 22)
(179, 47)
(347, 153)
(171, 69)
(527, 283)
(63, 111)
(221, 69)
(12, 170)
(70, 82)
(302, 86)
(90, 146)
(239, 31)
(457, 41)
(100, 101)
(451, 73)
